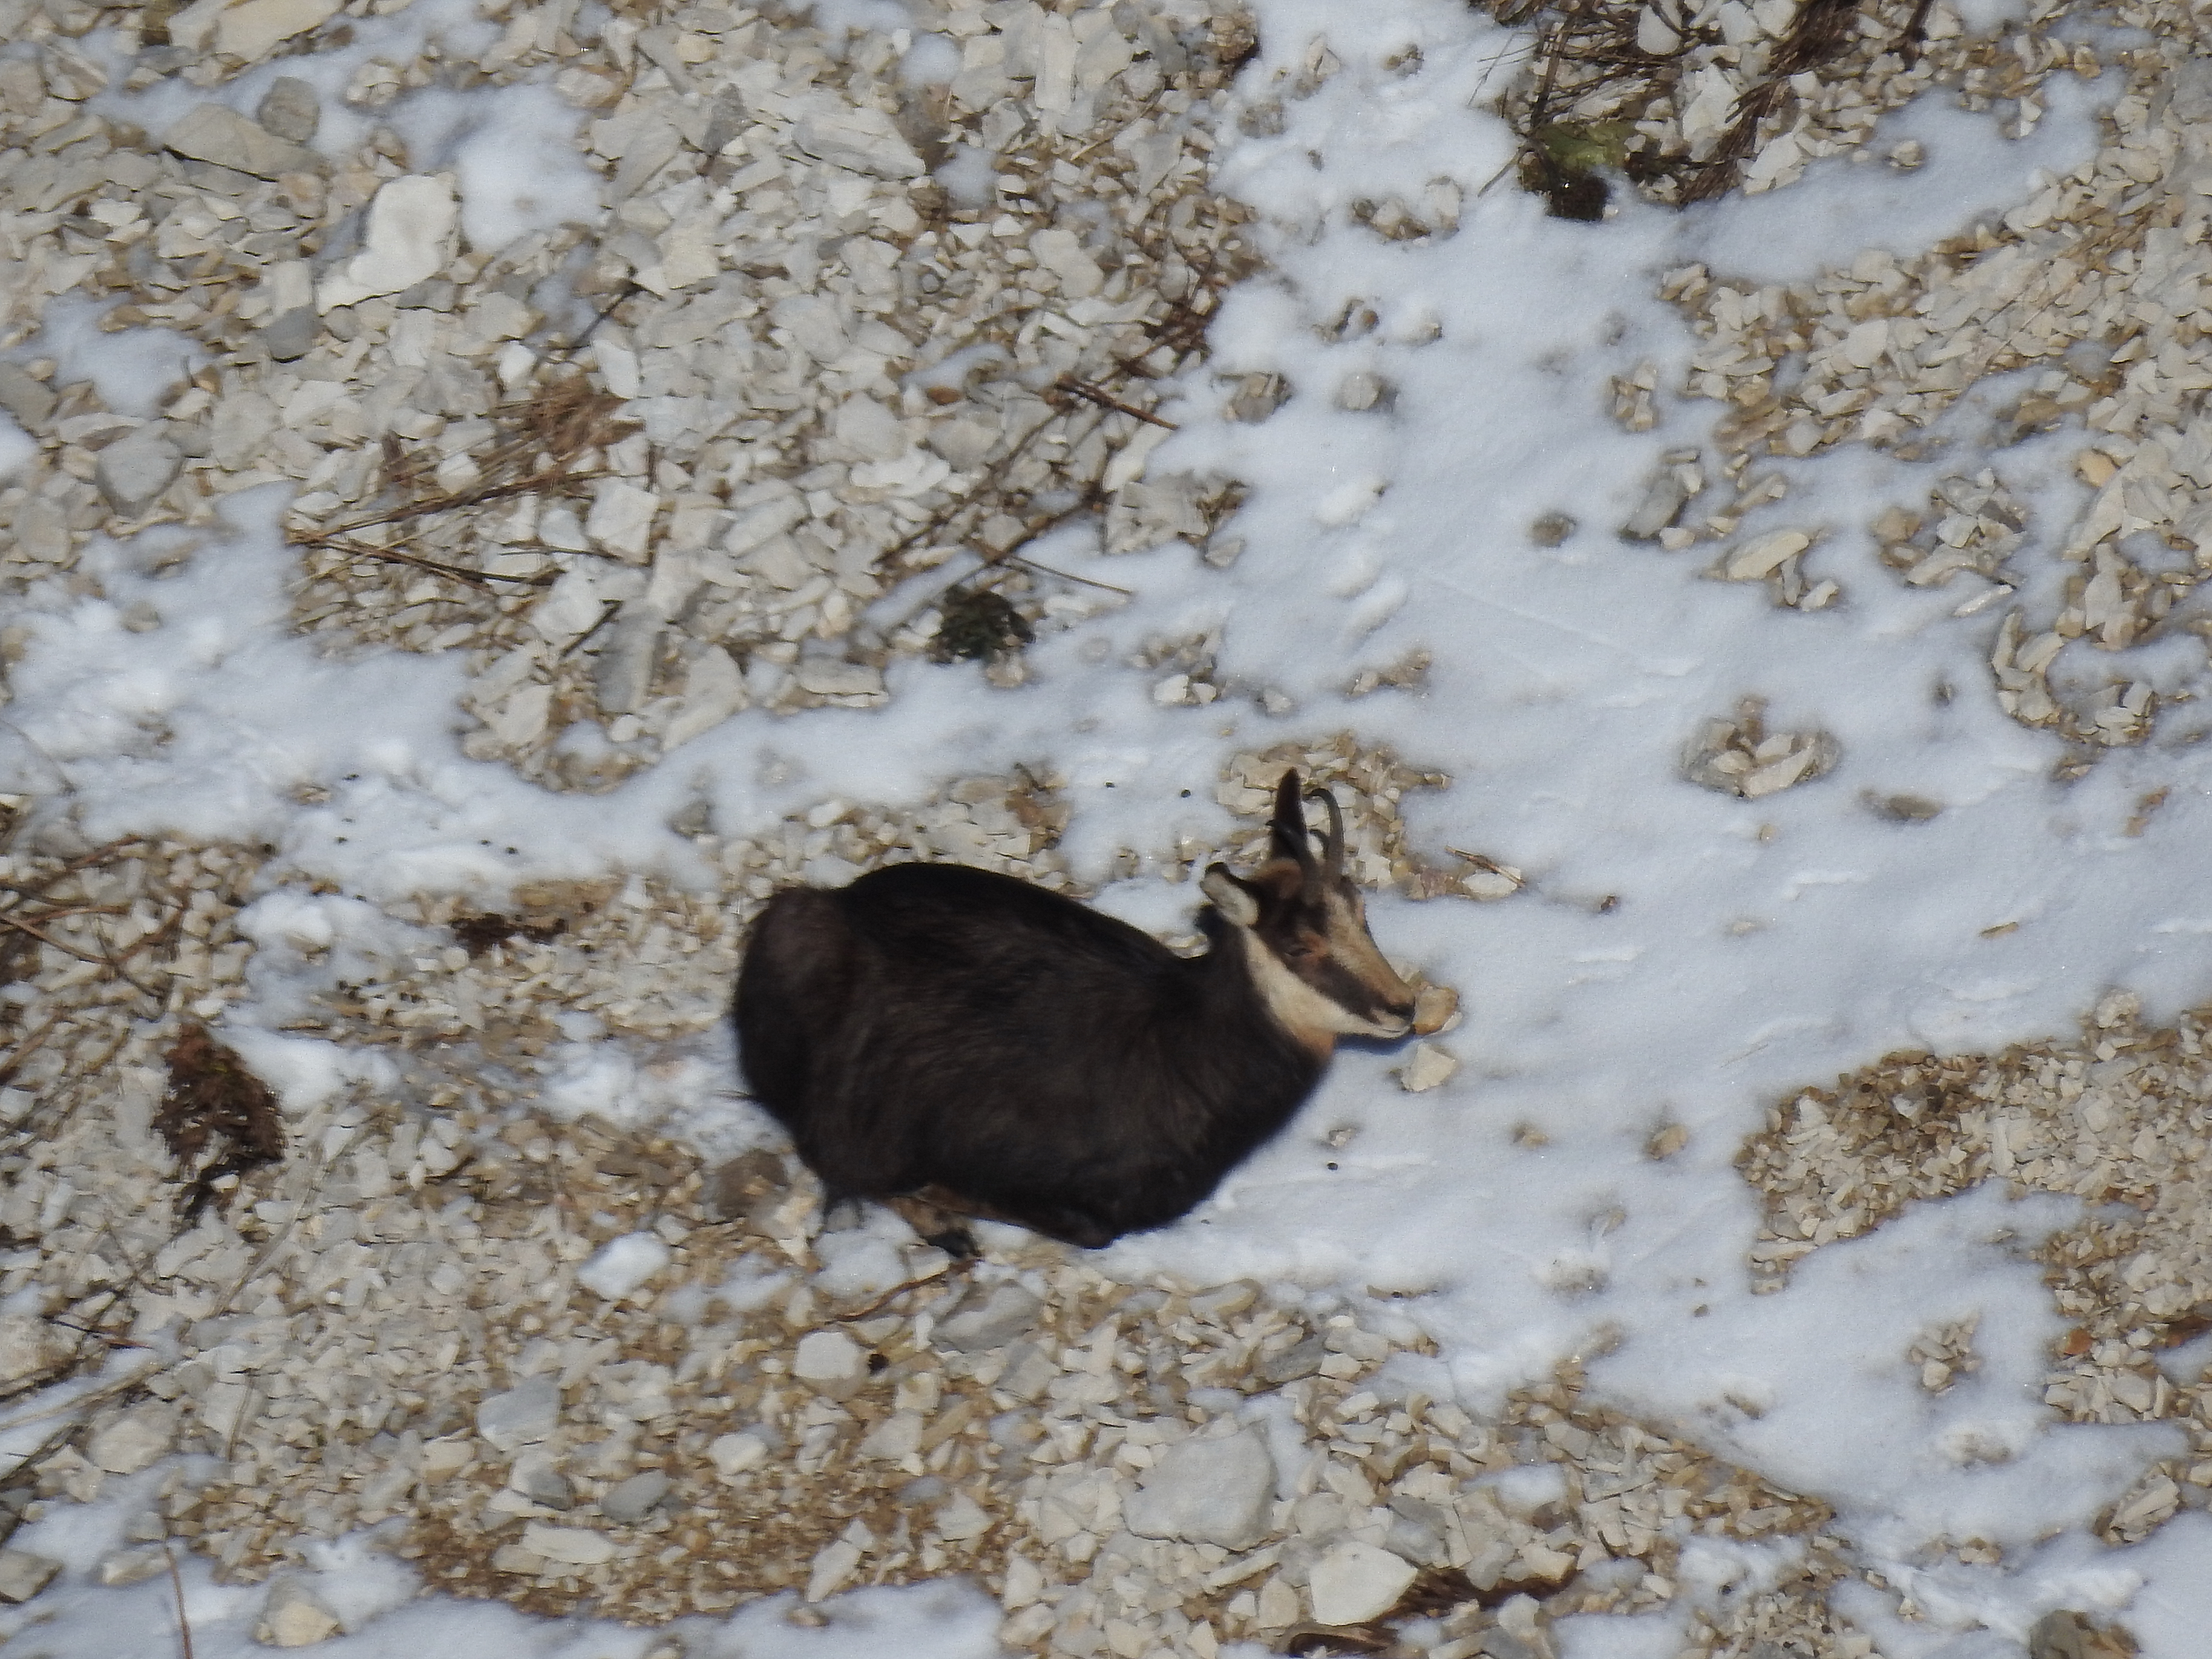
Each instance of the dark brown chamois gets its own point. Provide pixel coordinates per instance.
(1000, 1051)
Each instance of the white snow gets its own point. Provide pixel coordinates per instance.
(1970, 174)
(1753, 945)
(621, 1265)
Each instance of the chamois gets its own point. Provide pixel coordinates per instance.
(997, 1050)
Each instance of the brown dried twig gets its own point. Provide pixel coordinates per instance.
(547, 435)
(177, 1584)
(24, 1049)
(892, 1294)
(1099, 397)
(1821, 29)
(536, 483)
(483, 579)
(108, 961)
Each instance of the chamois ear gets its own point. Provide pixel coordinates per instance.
(1232, 898)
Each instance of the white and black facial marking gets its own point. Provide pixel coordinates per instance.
(1319, 941)
(1304, 929)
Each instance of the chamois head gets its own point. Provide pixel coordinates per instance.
(1304, 929)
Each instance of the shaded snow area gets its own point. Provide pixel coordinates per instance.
(1754, 645)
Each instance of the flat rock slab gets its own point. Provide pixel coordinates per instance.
(575, 1547)
(521, 1416)
(411, 226)
(1355, 1583)
(247, 31)
(1007, 1312)
(133, 471)
(133, 1440)
(212, 133)
(24, 1575)
(1207, 1491)
(862, 139)
(294, 1617)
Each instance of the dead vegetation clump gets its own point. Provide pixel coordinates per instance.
(217, 1119)
(95, 939)
(1688, 102)
(425, 504)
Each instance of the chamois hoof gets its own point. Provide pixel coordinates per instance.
(956, 1241)
(936, 1223)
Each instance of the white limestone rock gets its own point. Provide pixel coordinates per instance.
(575, 1547)
(897, 1435)
(1354, 1582)
(133, 472)
(989, 1321)
(623, 1264)
(830, 1363)
(211, 133)
(1059, 253)
(732, 1455)
(412, 223)
(133, 1440)
(132, 1566)
(293, 1616)
(834, 1565)
(622, 679)
(628, 1502)
(1207, 1491)
(621, 518)
(714, 690)
(24, 1575)
(860, 138)
(826, 676)
(28, 1346)
(537, 1475)
(248, 31)
(522, 1416)
(1431, 1066)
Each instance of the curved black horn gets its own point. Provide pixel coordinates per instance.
(1287, 829)
(1332, 842)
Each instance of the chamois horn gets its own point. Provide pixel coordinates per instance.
(1332, 840)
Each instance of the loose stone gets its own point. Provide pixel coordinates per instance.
(133, 472)
(293, 1616)
(522, 1415)
(1207, 1491)
(24, 1575)
(1354, 1582)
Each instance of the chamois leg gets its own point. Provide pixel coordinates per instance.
(1065, 1222)
(935, 1225)
(1072, 1226)
(840, 1202)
